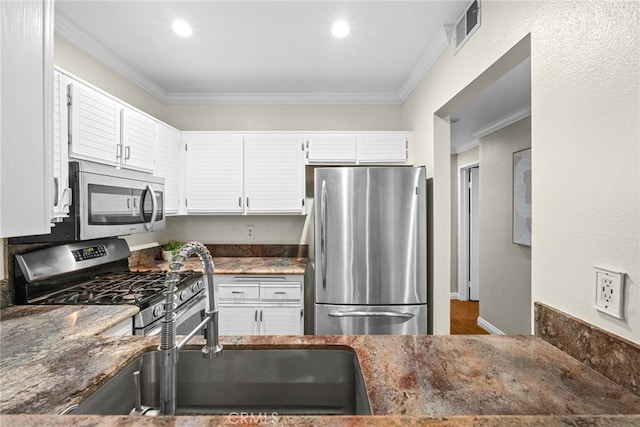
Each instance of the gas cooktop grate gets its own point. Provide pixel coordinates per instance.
(116, 288)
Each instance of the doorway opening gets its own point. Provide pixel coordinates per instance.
(468, 233)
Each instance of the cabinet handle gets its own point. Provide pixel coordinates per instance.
(247, 203)
(261, 315)
(239, 201)
(255, 317)
(118, 151)
(56, 191)
(127, 152)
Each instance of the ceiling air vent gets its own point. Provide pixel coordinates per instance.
(467, 23)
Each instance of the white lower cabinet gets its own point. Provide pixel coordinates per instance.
(260, 305)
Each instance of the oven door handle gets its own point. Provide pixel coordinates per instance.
(183, 310)
(154, 208)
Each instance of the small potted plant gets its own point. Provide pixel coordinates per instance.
(171, 249)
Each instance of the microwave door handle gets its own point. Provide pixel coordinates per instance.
(154, 211)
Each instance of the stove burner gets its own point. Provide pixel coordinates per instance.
(117, 288)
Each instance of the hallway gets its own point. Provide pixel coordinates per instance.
(464, 317)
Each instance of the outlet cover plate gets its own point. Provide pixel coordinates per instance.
(609, 296)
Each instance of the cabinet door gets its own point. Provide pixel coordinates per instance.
(331, 148)
(168, 165)
(214, 173)
(281, 320)
(61, 190)
(241, 319)
(95, 125)
(26, 76)
(382, 148)
(274, 174)
(137, 140)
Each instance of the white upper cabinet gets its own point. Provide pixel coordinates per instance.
(353, 148)
(214, 173)
(228, 173)
(274, 173)
(168, 155)
(94, 125)
(26, 113)
(137, 150)
(62, 192)
(382, 147)
(331, 148)
(104, 130)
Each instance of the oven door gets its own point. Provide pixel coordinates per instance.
(188, 316)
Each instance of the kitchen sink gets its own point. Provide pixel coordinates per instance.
(254, 381)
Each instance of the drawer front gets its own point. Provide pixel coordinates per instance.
(238, 293)
(280, 292)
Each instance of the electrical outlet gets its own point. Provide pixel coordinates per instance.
(610, 292)
(250, 232)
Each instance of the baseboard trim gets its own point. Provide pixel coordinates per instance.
(489, 327)
(454, 295)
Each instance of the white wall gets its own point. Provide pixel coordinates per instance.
(585, 133)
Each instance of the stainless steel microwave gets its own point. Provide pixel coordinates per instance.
(106, 202)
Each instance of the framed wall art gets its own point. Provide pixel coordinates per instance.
(522, 197)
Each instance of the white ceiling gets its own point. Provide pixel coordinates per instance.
(264, 51)
(504, 102)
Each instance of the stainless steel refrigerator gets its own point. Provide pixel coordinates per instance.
(370, 250)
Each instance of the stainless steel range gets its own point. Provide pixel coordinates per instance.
(97, 272)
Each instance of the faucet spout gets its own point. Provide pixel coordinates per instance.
(168, 348)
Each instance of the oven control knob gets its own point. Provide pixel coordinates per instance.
(196, 286)
(157, 311)
(182, 295)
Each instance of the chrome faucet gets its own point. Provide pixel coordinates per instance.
(168, 348)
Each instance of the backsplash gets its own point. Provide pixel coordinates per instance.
(144, 257)
(612, 356)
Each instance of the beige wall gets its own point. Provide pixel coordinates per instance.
(284, 117)
(585, 131)
(505, 268)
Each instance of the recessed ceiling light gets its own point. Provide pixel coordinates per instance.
(181, 28)
(340, 29)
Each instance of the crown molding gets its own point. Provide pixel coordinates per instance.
(436, 47)
(504, 121)
(466, 146)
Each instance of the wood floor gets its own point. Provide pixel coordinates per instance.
(464, 318)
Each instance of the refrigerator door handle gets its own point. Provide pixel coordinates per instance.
(323, 234)
(371, 314)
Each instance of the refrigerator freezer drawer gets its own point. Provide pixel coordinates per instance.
(371, 320)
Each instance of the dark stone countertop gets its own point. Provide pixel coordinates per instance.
(49, 360)
(239, 265)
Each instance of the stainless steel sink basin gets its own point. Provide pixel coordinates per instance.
(291, 381)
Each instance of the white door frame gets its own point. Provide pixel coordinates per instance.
(463, 230)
